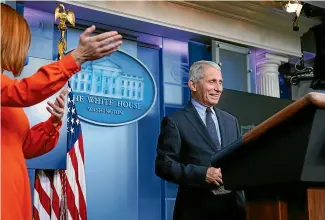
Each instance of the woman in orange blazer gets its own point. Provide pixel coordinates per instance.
(18, 140)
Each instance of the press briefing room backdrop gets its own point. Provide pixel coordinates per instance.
(121, 100)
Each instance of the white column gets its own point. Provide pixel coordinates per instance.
(267, 74)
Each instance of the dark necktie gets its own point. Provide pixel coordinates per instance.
(211, 126)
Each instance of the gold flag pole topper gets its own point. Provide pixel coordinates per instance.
(64, 16)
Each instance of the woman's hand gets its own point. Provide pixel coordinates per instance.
(96, 47)
(57, 109)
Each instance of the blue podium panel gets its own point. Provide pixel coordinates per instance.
(149, 184)
(111, 154)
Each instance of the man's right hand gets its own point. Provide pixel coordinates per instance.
(96, 47)
(214, 176)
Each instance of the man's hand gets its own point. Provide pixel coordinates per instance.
(95, 47)
(57, 110)
(214, 176)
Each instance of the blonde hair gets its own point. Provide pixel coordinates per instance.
(15, 40)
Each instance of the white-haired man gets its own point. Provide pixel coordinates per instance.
(188, 139)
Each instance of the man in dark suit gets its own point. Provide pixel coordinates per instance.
(188, 139)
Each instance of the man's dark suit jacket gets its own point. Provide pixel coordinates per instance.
(184, 154)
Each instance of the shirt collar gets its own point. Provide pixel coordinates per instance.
(199, 107)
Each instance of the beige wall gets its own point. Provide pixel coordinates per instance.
(243, 23)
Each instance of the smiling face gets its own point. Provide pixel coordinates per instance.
(208, 89)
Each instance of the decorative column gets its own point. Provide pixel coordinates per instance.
(267, 74)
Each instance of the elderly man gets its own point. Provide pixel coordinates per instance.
(188, 139)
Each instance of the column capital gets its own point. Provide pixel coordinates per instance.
(267, 73)
(269, 58)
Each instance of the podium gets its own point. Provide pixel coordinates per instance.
(280, 164)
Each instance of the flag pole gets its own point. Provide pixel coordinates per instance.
(63, 16)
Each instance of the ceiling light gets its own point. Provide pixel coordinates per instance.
(294, 7)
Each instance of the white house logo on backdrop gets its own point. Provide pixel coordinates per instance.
(108, 80)
(115, 90)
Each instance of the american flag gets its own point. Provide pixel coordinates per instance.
(61, 194)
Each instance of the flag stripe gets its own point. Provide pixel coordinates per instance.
(81, 182)
(81, 150)
(41, 214)
(44, 192)
(74, 156)
(69, 216)
(74, 213)
(35, 214)
(56, 187)
(81, 168)
(55, 203)
(71, 175)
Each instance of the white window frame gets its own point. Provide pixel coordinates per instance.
(217, 45)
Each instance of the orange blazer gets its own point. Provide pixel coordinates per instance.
(18, 140)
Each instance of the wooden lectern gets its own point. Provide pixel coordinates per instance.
(280, 164)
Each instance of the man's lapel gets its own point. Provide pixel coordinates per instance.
(193, 116)
(222, 126)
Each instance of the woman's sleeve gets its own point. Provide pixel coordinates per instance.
(41, 139)
(38, 87)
